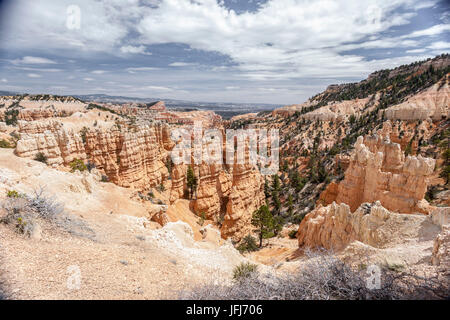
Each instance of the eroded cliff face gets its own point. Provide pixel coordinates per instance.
(214, 185)
(379, 170)
(335, 226)
(60, 146)
(135, 157)
(128, 158)
(225, 193)
(246, 196)
(432, 103)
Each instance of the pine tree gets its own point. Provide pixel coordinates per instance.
(290, 205)
(191, 181)
(263, 220)
(266, 188)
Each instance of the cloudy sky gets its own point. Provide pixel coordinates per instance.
(266, 51)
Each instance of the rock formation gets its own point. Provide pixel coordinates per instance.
(379, 170)
(441, 249)
(246, 196)
(433, 103)
(335, 226)
(213, 190)
(128, 158)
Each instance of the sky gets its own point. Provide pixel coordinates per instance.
(266, 51)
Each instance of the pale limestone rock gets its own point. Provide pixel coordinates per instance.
(335, 226)
(441, 250)
(432, 103)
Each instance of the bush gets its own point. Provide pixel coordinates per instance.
(11, 117)
(244, 270)
(41, 157)
(105, 178)
(201, 219)
(23, 210)
(293, 234)
(12, 194)
(5, 144)
(77, 164)
(46, 207)
(322, 277)
(248, 244)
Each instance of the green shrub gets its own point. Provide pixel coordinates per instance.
(11, 117)
(12, 194)
(201, 219)
(41, 157)
(5, 144)
(105, 178)
(293, 234)
(77, 164)
(244, 270)
(248, 244)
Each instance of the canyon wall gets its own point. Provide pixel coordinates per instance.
(433, 103)
(135, 157)
(128, 158)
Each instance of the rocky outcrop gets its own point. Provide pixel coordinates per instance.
(338, 111)
(231, 194)
(335, 226)
(213, 190)
(441, 249)
(379, 170)
(128, 158)
(246, 196)
(329, 194)
(60, 146)
(432, 103)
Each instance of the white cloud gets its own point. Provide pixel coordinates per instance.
(33, 60)
(416, 50)
(157, 88)
(4, 80)
(181, 64)
(283, 37)
(439, 45)
(425, 4)
(33, 75)
(141, 69)
(284, 42)
(39, 69)
(232, 88)
(432, 31)
(134, 50)
(98, 72)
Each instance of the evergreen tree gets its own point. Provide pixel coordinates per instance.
(263, 220)
(290, 205)
(191, 181)
(266, 188)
